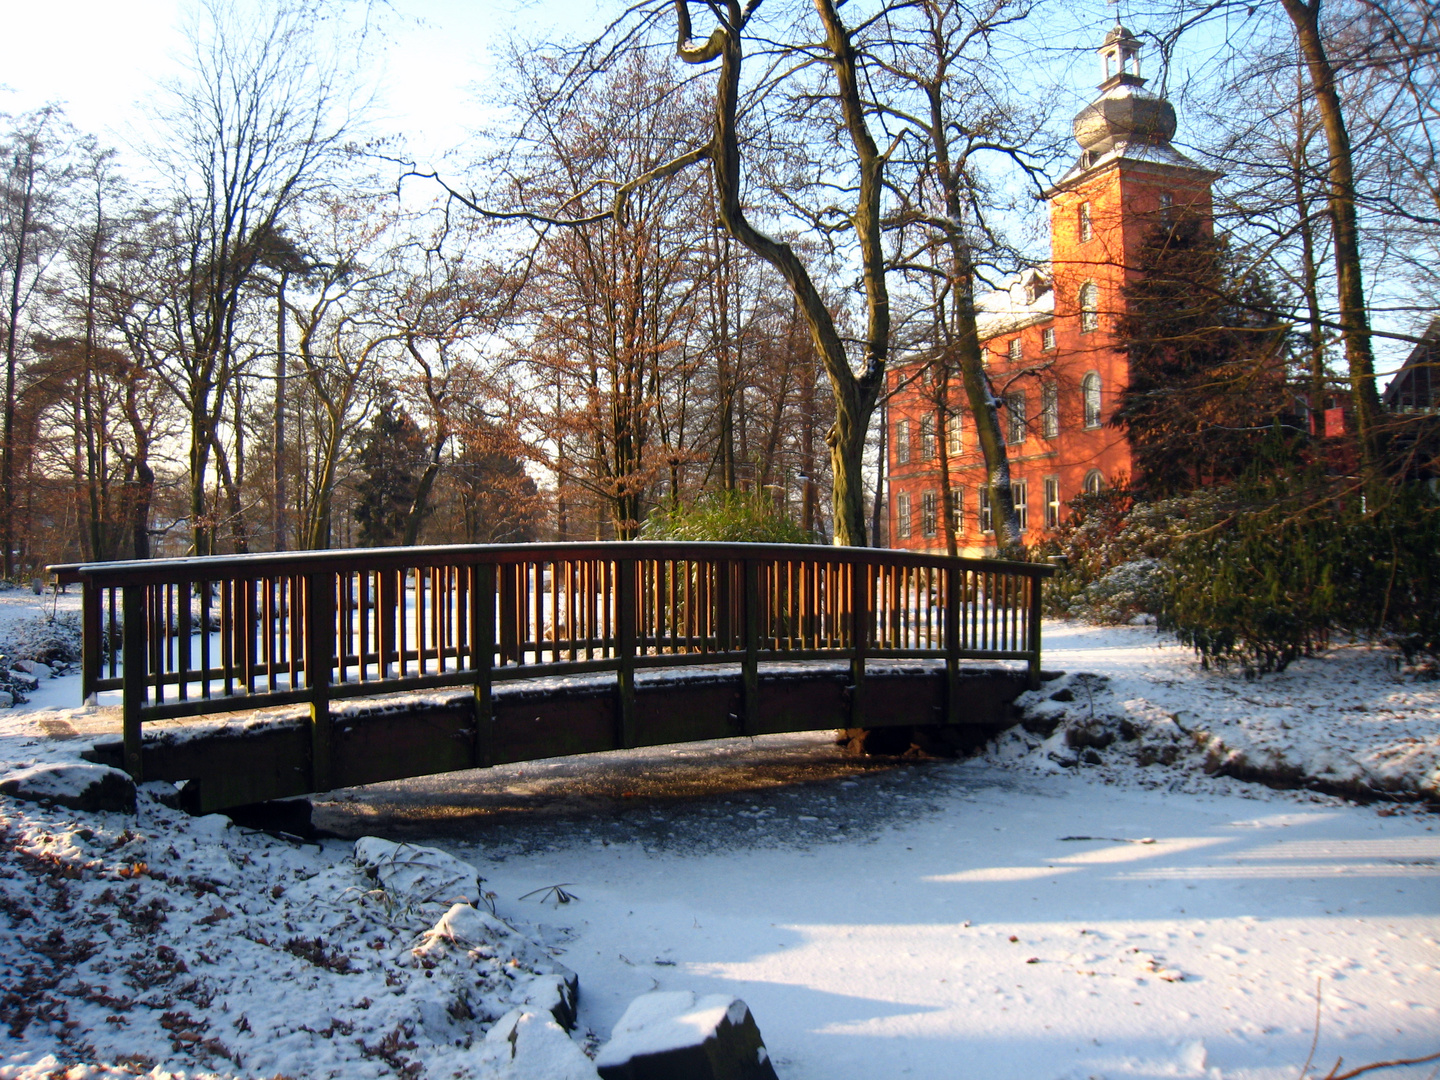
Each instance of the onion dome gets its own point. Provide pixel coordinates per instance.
(1126, 113)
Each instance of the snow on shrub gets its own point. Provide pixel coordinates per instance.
(45, 640)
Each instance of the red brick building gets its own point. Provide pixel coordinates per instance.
(1048, 339)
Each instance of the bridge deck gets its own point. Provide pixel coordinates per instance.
(559, 649)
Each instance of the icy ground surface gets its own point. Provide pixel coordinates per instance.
(1013, 916)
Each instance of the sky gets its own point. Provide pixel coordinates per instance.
(106, 58)
(113, 54)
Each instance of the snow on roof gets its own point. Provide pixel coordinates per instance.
(1126, 150)
(1025, 299)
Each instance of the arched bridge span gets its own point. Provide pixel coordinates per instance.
(410, 661)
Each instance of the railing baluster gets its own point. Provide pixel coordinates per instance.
(750, 642)
(319, 653)
(861, 594)
(135, 602)
(482, 638)
(626, 589)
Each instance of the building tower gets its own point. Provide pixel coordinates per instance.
(1048, 337)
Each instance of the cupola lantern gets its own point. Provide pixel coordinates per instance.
(1120, 59)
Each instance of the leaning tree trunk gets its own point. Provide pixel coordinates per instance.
(978, 393)
(1349, 282)
(855, 396)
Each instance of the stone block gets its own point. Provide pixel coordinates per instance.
(76, 785)
(675, 1035)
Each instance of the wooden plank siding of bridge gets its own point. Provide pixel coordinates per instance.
(422, 660)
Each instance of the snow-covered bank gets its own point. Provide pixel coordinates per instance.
(157, 942)
(1350, 721)
(1026, 914)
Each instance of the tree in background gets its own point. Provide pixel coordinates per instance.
(252, 128)
(390, 466)
(33, 174)
(1207, 362)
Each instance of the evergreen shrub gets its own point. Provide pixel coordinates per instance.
(727, 517)
(1295, 563)
(1112, 551)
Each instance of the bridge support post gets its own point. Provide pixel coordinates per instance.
(954, 578)
(750, 666)
(319, 651)
(859, 639)
(136, 669)
(1034, 643)
(626, 590)
(91, 614)
(482, 658)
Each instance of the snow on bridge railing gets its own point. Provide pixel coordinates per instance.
(186, 637)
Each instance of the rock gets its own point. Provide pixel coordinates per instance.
(7, 699)
(74, 785)
(1063, 694)
(1083, 734)
(544, 984)
(557, 994)
(415, 875)
(530, 1046)
(674, 1035)
(35, 668)
(290, 816)
(22, 682)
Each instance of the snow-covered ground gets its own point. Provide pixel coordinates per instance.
(1052, 909)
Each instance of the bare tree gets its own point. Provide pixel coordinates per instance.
(250, 131)
(34, 174)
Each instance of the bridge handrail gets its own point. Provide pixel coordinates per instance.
(395, 619)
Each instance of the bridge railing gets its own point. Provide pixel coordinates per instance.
(185, 637)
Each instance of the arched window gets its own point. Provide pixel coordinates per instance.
(1090, 391)
(1094, 482)
(1089, 307)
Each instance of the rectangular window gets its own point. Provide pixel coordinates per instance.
(1015, 351)
(928, 448)
(1047, 338)
(928, 512)
(987, 519)
(902, 516)
(902, 442)
(952, 435)
(1015, 418)
(1052, 502)
(1020, 494)
(1050, 410)
(1086, 225)
(1167, 209)
(957, 509)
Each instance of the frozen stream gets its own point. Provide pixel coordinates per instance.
(937, 919)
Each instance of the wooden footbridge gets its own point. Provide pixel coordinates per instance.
(423, 660)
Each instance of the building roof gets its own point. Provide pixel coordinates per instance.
(1417, 384)
(1025, 299)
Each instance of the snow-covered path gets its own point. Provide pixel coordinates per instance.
(1187, 938)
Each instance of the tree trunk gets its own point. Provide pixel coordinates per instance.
(416, 516)
(17, 269)
(855, 397)
(1349, 283)
(978, 393)
(281, 515)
